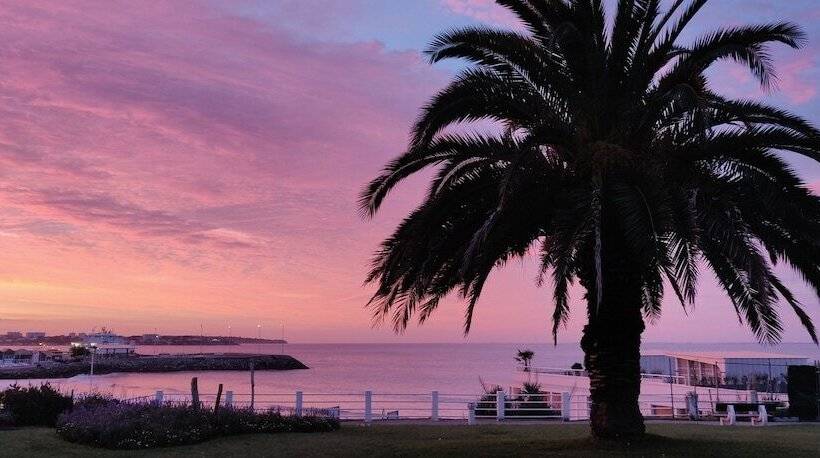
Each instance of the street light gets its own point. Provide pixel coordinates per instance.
(91, 373)
(259, 338)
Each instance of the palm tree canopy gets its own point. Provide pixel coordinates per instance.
(524, 356)
(619, 119)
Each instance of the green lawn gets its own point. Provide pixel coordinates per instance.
(451, 440)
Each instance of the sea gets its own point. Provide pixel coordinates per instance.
(381, 368)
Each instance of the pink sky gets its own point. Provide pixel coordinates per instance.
(171, 164)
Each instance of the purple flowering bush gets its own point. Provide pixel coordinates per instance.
(119, 425)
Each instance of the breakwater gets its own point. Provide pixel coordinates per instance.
(161, 363)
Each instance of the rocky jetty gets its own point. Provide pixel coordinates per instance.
(161, 363)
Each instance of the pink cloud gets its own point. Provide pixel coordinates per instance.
(185, 139)
(483, 10)
(795, 81)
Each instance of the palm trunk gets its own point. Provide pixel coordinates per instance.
(611, 343)
(612, 359)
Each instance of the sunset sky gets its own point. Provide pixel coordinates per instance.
(166, 165)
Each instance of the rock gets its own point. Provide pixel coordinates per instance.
(177, 363)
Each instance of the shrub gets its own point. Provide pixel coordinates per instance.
(486, 406)
(79, 351)
(34, 405)
(532, 402)
(94, 400)
(120, 425)
(6, 420)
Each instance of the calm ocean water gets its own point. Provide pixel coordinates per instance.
(383, 368)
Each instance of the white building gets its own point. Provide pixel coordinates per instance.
(708, 367)
(35, 335)
(106, 343)
(104, 337)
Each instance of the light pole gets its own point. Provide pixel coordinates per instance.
(259, 338)
(91, 373)
(282, 343)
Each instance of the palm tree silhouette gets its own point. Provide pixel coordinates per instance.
(525, 358)
(619, 166)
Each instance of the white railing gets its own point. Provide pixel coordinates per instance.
(370, 406)
(583, 373)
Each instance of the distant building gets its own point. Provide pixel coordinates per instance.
(28, 357)
(106, 343)
(697, 368)
(35, 335)
(14, 334)
(150, 337)
(105, 337)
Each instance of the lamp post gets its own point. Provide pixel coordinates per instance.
(91, 373)
(259, 338)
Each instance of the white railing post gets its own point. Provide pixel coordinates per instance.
(566, 406)
(499, 405)
(434, 406)
(368, 406)
(762, 415)
(471, 413)
(298, 406)
(158, 397)
(228, 398)
(730, 415)
(692, 406)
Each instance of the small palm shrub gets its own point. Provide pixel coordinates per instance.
(34, 405)
(532, 402)
(118, 425)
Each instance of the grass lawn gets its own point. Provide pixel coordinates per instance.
(450, 440)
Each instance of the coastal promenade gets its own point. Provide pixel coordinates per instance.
(155, 363)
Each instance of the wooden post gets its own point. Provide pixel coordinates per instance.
(253, 387)
(298, 406)
(194, 393)
(229, 398)
(158, 397)
(218, 398)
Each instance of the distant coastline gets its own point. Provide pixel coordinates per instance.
(146, 339)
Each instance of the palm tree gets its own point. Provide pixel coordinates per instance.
(525, 357)
(617, 165)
